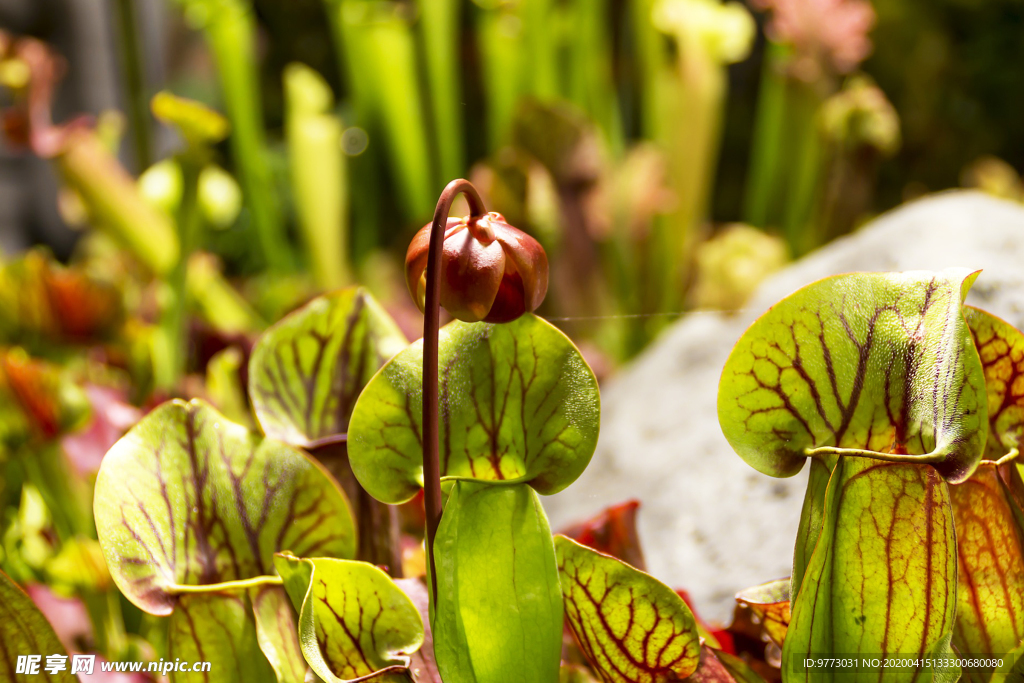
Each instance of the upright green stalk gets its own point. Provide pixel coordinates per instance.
(365, 176)
(172, 356)
(351, 58)
(540, 25)
(808, 167)
(590, 83)
(763, 193)
(318, 174)
(787, 160)
(230, 31)
(200, 127)
(708, 36)
(651, 62)
(132, 61)
(104, 608)
(392, 54)
(504, 64)
(377, 52)
(440, 38)
(46, 469)
(114, 202)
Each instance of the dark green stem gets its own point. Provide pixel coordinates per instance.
(431, 327)
(134, 81)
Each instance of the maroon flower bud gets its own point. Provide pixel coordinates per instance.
(490, 270)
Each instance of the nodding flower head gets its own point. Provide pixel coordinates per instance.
(490, 271)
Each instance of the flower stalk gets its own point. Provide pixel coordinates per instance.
(431, 327)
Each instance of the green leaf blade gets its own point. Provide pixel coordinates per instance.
(25, 631)
(990, 534)
(218, 628)
(498, 614)
(188, 498)
(632, 627)
(354, 621)
(307, 370)
(278, 633)
(877, 362)
(518, 402)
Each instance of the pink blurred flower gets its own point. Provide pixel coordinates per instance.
(112, 416)
(68, 616)
(830, 35)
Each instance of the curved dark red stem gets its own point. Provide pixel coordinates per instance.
(431, 325)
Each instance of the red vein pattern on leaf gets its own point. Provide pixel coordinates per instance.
(207, 619)
(990, 551)
(356, 653)
(1001, 348)
(345, 668)
(227, 532)
(891, 530)
(629, 652)
(291, 391)
(17, 631)
(801, 339)
(506, 453)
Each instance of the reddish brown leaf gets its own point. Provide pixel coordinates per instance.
(612, 532)
(769, 602)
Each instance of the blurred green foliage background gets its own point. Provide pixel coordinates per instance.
(639, 140)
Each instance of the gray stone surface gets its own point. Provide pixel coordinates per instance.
(709, 523)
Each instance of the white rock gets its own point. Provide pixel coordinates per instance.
(708, 522)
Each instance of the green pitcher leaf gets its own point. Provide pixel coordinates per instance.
(278, 633)
(218, 628)
(990, 552)
(810, 521)
(990, 542)
(769, 602)
(307, 371)
(875, 364)
(518, 402)
(498, 613)
(25, 631)
(632, 627)
(1001, 349)
(882, 579)
(188, 499)
(355, 623)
